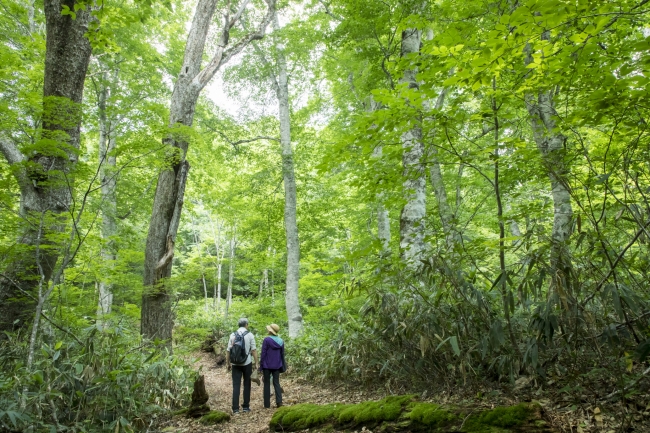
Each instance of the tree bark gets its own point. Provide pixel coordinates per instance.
(43, 177)
(231, 268)
(383, 218)
(447, 216)
(219, 261)
(197, 242)
(290, 219)
(550, 142)
(413, 213)
(157, 315)
(107, 163)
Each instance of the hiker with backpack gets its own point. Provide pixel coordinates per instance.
(241, 356)
(272, 364)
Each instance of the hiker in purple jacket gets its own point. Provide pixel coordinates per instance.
(272, 364)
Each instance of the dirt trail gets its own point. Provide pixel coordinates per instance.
(218, 383)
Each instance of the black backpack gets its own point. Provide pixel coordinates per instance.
(238, 353)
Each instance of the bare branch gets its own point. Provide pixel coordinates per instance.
(223, 55)
(238, 142)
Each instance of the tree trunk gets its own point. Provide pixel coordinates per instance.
(550, 142)
(231, 268)
(413, 214)
(219, 261)
(383, 218)
(107, 163)
(43, 177)
(197, 242)
(264, 282)
(219, 266)
(452, 237)
(290, 219)
(157, 315)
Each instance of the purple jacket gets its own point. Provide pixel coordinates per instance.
(272, 353)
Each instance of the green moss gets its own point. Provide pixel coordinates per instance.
(214, 417)
(303, 416)
(375, 412)
(404, 413)
(431, 415)
(180, 412)
(500, 417)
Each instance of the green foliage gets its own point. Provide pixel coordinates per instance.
(91, 384)
(214, 417)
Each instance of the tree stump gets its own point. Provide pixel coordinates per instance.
(220, 359)
(199, 406)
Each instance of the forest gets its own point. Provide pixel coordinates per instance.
(443, 204)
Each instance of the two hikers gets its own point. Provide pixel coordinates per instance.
(241, 356)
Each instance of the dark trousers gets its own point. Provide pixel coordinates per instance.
(276, 387)
(237, 372)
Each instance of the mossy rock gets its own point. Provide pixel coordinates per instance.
(404, 413)
(214, 417)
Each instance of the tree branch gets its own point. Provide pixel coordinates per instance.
(223, 55)
(244, 141)
(10, 151)
(329, 12)
(272, 76)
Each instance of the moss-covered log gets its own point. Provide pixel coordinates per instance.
(405, 413)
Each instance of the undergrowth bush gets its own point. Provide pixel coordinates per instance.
(195, 324)
(92, 382)
(446, 326)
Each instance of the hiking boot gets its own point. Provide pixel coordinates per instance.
(235, 411)
(247, 409)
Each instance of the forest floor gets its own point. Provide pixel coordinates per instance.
(562, 416)
(218, 383)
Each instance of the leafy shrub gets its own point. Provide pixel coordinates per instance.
(90, 383)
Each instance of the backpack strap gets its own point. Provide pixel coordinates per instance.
(243, 336)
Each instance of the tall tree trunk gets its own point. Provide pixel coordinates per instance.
(30, 16)
(264, 282)
(231, 268)
(219, 261)
(107, 161)
(43, 177)
(290, 220)
(447, 216)
(197, 242)
(550, 142)
(219, 266)
(383, 218)
(506, 294)
(157, 314)
(413, 214)
(272, 275)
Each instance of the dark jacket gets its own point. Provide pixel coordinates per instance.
(272, 354)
